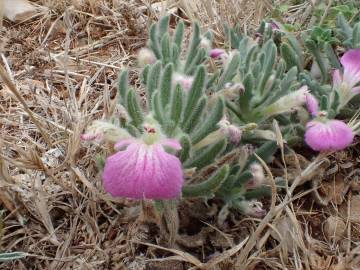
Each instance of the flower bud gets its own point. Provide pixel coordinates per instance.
(183, 80)
(146, 57)
(252, 208)
(100, 131)
(287, 103)
(258, 178)
(216, 53)
(205, 43)
(233, 132)
(312, 104)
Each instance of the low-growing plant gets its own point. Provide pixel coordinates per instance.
(204, 116)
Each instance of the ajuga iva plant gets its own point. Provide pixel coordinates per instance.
(181, 141)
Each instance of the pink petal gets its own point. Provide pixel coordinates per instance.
(98, 138)
(351, 62)
(87, 137)
(312, 104)
(356, 90)
(173, 143)
(216, 53)
(333, 135)
(274, 26)
(143, 172)
(122, 143)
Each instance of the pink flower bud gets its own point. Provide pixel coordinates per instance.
(100, 131)
(312, 104)
(230, 130)
(146, 57)
(274, 26)
(216, 53)
(185, 81)
(258, 178)
(235, 134)
(252, 208)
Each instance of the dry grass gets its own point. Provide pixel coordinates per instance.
(63, 65)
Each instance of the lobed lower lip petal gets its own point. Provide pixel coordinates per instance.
(328, 136)
(143, 171)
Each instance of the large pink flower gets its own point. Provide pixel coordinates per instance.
(143, 170)
(329, 135)
(351, 75)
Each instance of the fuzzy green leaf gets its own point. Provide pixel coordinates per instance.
(156, 107)
(208, 187)
(166, 54)
(153, 79)
(244, 177)
(9, 256)
(177, 104)
(196, 91)
(194, 43)
(185, 148)
(163, 26)
(191, 122)
(145, 74)
(154, 41)
(179, 34)
(166, 85)
(206, 156)
(134, 109)
(123, 86)
(265, 152)
(210, 123)
(257, 193)
(230, 71)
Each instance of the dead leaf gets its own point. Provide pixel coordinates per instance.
(283, 233)
(334, 228)
(334, 191)
(354, 215)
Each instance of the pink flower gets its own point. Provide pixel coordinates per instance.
(144, 170)
(351, 63)
(328, 136)
(312, 104)
(216, 53)
(347, 82)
